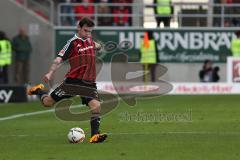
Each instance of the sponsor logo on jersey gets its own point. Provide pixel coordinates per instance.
(84, 49)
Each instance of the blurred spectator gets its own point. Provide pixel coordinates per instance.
(227, 10)
(67, 9)
(215, 76)
(217, 11)
(236, 11)
(208, 73)
(22, 48)
(121, 14)
(84, 8)
(163, 12)
(205, 74)
(149, 55)
(104, 9)
(5, 57)
(235, 45)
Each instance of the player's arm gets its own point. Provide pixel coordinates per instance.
(97, 46)
(62, 56)
(55, 65)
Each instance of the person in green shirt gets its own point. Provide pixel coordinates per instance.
(22, 48)
(149, 55)
(163, 11)
(235, 45)
(5, 57)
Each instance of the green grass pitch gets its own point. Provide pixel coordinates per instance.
(163, 128)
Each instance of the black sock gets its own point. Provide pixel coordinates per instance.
(95, 123)
(40, 93)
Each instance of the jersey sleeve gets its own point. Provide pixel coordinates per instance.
(65, 52)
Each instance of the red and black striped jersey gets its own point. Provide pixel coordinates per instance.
(80, 54)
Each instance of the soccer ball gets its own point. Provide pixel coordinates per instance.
(76, 135)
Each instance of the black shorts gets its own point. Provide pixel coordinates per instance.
(71, 87)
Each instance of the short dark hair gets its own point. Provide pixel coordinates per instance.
(86, 21)
(238, 33)
(150, 34)
(2, 35)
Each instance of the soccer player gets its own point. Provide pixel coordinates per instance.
(80, 53)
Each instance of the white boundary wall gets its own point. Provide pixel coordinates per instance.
(178, 88)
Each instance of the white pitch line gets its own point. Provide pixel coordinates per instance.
(45, 111)
(137, 133)
(32, 113)
(180, 132)
(25, 114)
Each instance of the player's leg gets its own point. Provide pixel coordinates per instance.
(48, 101)
(152, 71)
(166, 21)
(38, 90)
(95, 116)
(96, 136)
(158, 21)
(18, 71)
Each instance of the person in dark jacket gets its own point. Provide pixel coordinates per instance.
(22, 48)
(215, 76)
(209, 73)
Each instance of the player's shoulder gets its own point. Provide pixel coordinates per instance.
(72, 39)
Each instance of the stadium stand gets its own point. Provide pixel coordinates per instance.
(49, 17)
